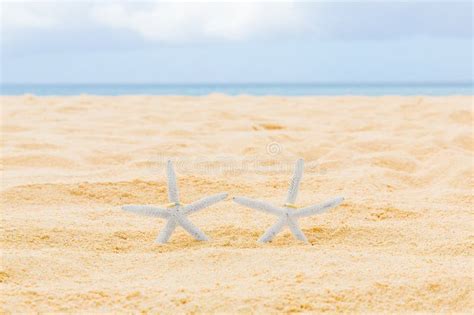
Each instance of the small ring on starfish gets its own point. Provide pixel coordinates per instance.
(290, 205)
(174, 204)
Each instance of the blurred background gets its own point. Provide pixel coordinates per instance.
(291, 48)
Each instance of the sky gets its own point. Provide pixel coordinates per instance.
(236, 42)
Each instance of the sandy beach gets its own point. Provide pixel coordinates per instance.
(402, 241)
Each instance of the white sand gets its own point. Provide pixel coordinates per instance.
(402, 241)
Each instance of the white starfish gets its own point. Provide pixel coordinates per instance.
(289, 213)
(175, 212)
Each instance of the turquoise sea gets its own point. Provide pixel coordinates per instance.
(237, 89)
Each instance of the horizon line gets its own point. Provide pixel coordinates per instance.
(321, 83)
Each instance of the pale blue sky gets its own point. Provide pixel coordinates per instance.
(163, 42)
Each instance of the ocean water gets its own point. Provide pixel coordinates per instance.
(237, 89)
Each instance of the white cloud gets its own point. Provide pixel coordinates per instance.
(17, 15)
(199, 20)
(178, 22)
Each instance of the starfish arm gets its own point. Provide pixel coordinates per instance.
(173, 194)
(204, 203)
(258, 205)
(148, 211)
(273, 230)
(165, 234)
(296, 230)
(295, 182)
(316, 209)
(191, 228)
